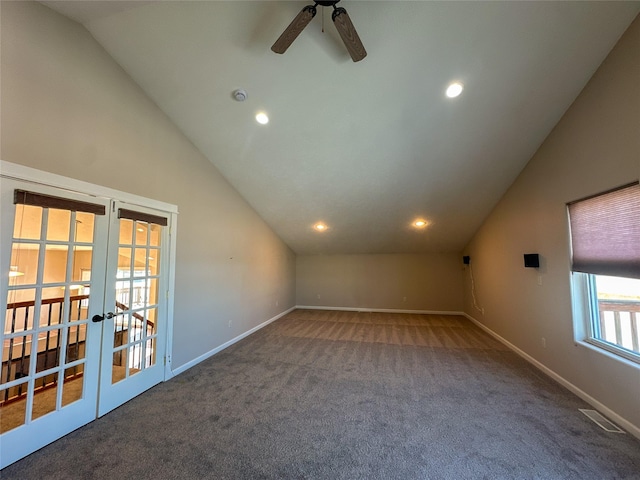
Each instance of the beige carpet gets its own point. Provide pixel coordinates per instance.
(347, 395)
(436, 331)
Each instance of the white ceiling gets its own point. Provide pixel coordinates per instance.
(365, 147)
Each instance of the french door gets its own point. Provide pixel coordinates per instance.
(85, 321)
(134, 333)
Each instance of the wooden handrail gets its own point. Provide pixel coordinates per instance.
(619, 306)
(39, 388)
(45, 301)
(614, 333)
(72, 298)
(12, 367)
(122, 306)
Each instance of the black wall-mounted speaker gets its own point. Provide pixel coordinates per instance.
(531, 260)
(466, 259)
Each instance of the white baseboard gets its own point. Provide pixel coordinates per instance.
(606, 411)
(204, 356)
(381, 310)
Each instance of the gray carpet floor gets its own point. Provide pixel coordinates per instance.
(347, 395)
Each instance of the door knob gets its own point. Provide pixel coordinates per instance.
(99, 318)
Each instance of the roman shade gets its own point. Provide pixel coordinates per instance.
(22, 197)
(605, 233)
(142, 217)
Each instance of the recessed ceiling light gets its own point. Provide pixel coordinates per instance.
(420, 223)
(454, 89)
(262, 118)
(321, 227)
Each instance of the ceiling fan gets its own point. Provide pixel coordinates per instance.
(341, 20)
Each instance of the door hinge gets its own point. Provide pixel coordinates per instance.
(167, 295)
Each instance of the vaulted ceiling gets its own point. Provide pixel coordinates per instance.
(368, 147)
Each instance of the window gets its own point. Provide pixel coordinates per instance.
(605, 241)
(618, 301)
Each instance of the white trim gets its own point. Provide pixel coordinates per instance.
(627, 425)
(580, 306)
(603, 349)
(173, 229)
(186, 366)
(28, 174)
(380, 310)
(41, 177)
(52, 424)
(585, 310)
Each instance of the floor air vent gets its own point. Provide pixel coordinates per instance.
(601, 421)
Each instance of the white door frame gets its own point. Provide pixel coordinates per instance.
(21, 172)
(113, 394)
(27, 174)
(49, 426)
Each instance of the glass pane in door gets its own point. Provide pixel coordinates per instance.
(84, 227)
(19, 314)
(72, 387)
(136, 302)
(51, 308)
(44, 334)
(13, 413)
(24, 264)
(28, 222)
(58, 224)
(45, 401)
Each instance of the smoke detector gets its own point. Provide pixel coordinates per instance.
(240, 95)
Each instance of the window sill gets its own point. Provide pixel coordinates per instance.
(608, 351)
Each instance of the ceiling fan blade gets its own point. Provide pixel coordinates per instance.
(348, 34)
(293, 30)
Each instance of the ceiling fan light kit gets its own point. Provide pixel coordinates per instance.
(340, 19)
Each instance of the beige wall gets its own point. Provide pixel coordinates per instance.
(68, 108)
(596, 146)
(428, 281)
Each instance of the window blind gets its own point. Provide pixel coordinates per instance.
(142, 217)
(23, 197)
(605, 233)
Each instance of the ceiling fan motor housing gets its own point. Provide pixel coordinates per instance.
(340, 19)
